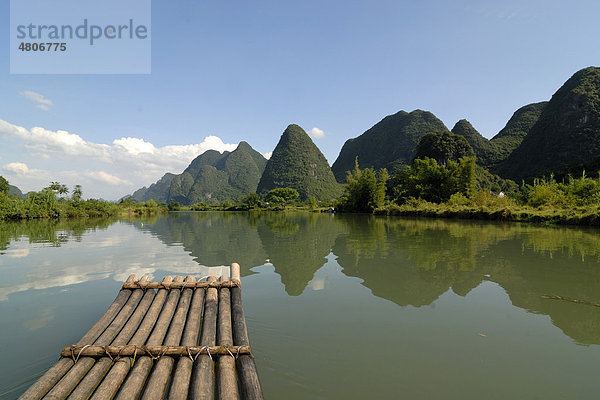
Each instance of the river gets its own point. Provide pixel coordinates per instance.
(337, 306)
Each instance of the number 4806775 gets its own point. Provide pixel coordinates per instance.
(24, 46)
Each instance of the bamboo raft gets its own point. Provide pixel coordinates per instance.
(175, 339)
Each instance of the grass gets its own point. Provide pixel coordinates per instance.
(485, 206)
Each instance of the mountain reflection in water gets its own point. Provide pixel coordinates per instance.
(410, 262)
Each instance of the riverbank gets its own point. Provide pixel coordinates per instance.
(585, 216)
(489, 208)
(45, 205)
(498, 210)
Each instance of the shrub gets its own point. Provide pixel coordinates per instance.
(433, 182)
(365, 190)
(199, 207)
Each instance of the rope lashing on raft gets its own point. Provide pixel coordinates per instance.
(72, 349)
(182, 285)
(154, 352)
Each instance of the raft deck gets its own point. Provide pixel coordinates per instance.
(175, 339)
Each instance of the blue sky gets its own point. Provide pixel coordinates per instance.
(244, 70)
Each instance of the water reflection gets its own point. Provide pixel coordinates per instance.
(47, 232)
(297, 245)
(39, 255)
(413, 262)
(409, 262)
(212, 239)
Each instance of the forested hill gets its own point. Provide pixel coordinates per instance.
(484, 150)
(158, 191)
(299, 164)
(13, 190)
(389, 144)
(557, 136)
(491, 153)
(517, 127)
(540, 138)
(212, 177)
(566, 133)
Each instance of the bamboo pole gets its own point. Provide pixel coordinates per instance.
(159, 378)
(234, 274)
(246, 367)
(183, 370)
(202, 382)
(578, 301)
(66, 385)
(115, 377)
(94, 376)
(58, 370)
(226, 379)
(134, 383)
(178, 285)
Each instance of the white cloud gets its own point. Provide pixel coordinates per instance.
(134, 146)
(17, 253)
(123, 166)
(42, 102)
(316, 133)
(104, 177)
(268, 155)
(67, 271)
(17, 168)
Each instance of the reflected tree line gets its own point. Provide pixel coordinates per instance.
(410, 262)
(49, 232)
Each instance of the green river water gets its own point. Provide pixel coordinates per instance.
(337, 306)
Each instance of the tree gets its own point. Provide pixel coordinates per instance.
(365, 190)
(379, 196)
(433, 182)
(465, 176)
(58, 188)
(251, 200)
(127, 202)
(282, 195)
(200, 207)
(77, 193)
(151, 203)
(312, 203)
(4, 186)
(443, 147)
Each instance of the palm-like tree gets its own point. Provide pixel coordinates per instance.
(59, 188)
(77, 193)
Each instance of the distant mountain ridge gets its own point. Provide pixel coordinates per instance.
(158, 191)
(212, 177)
(15, 191)
(559, 135)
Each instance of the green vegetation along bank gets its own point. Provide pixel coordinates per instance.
(54, 201)
(452, 190)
